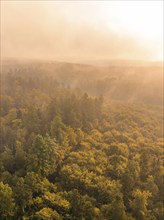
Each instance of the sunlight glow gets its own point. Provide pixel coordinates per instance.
(84, 26)
(144, 20)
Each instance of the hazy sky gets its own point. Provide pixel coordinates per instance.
(82, 30)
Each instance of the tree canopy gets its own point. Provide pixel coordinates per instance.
(66, 154)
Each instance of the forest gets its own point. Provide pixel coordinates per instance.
(81, 142)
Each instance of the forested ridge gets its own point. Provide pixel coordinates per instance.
(71, 149)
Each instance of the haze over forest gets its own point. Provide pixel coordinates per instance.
(82, 30)
(81, 110)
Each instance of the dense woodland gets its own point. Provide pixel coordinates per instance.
(81, 142)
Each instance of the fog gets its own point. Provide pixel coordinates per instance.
(78, 31)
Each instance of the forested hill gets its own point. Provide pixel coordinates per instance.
(80, 142)
(137, 82)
